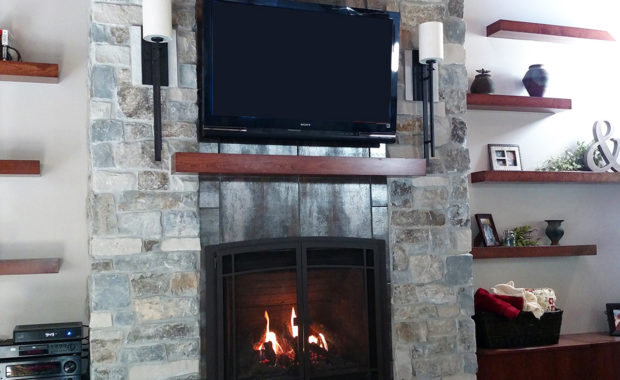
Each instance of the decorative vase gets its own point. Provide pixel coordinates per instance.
(535, 80)
(554, 231)
(482, 84)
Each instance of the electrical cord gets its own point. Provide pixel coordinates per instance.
(6, 54)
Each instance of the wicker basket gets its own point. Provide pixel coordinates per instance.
(496, 331)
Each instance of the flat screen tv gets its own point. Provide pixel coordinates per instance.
(275, 70)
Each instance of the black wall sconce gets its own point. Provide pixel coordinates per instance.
(431, 52)
(156, 32)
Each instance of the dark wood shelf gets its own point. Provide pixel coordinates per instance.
(29, 266)
(492, 102)
(538, 251)
(543, 32)
(20, 167)
(268, 165)
(29, 72)
(543, 177)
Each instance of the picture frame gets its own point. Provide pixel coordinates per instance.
(488, 232)
(505, 157)
(613, 318)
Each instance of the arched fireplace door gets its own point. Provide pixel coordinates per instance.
(296, 308)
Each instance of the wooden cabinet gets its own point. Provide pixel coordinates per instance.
(586, 356)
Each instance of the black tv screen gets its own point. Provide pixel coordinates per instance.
(285, 70)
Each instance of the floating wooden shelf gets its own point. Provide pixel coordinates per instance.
(538, 251)
(542, 32)
(543, 177)
(20, 167)
(267, 165)
(29, 72)
(29, 266)
(517, 103)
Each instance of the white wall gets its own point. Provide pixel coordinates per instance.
(587, 72)
(45, 216)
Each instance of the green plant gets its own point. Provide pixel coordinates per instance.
(571, 159)
(523, 236)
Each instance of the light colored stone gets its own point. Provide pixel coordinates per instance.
(100, 110)
(108, 181)
(112, 247)
(430, 181)
(163, 371)
(454, 54)
(183, 244)
(112, 54)
(100, 319)
(117, 14)
(158, 308)
(462, 238)
(441, 327)
(184, 183)
(181, 224)
(425, 269)
(402, 359)
(143, 224)
(103, 214)
(184, 284)
(436, 294)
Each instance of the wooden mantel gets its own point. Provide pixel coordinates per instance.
(282, 165)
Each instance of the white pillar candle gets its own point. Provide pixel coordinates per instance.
(157, 20)
(431, 41)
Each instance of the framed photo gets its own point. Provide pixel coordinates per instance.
(488, 232)
(504, 157)
(613, 318)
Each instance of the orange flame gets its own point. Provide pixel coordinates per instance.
(269, 336)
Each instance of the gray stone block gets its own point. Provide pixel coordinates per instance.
(209, 193)
(149, 284)
(157, 262)
(101, 266)
(182, 111)
(452, 77)
(455, 100)
(138, 131)
(187, 76)
(459, 270)
(404, 294)
(106, 130)
(162, 331)
(334, 208)
(379, 194)
(103, 84)
(459, 130)
(458, 215)
(181, 224)
(426, 268)
(380, 223)
(466, 300)
(441, 345)
(455, 8)
(454, 30)
(103, 214)
(136, 155)
(410, 332)
(183, 350)
(143, 224)
(209, 226)
(124, 318)
(150, 353)
(102, 155)
(109, 291)
(456, 157)
(186, 47)
(179, 130)
(184, 18)
(258, 208)
(408, 218)
(400, 192)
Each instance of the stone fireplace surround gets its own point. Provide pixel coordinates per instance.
(147, 225)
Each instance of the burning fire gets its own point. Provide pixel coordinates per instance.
(283, 348)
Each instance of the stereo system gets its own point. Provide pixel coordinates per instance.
(46, 351)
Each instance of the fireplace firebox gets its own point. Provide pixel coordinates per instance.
(296, 308)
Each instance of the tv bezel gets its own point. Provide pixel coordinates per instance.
(280, 130)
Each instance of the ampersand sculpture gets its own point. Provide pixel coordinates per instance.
(600, 142)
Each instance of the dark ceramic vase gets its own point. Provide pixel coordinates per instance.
(535, 80)
(554, 231)
(482, 84)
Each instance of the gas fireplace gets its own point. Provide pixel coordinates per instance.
(297, 308)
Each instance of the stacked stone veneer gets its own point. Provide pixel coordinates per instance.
(145, 223)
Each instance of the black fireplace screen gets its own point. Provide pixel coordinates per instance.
(297, 308)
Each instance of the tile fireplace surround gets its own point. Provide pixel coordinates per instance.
(147, 225)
